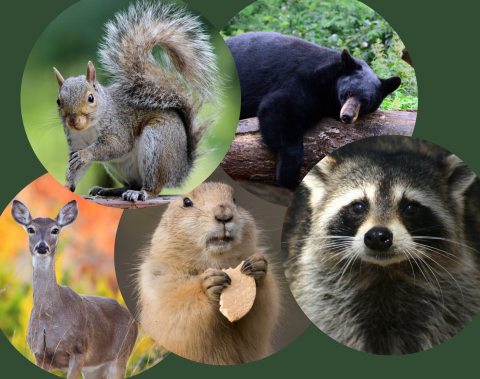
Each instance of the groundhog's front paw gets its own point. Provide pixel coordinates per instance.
(131, 195)
(256, 266)
(214, 281)
(79, 159)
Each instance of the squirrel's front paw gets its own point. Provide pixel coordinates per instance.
(79, 159)
(132, 195)
(214, 281)
(256, 266)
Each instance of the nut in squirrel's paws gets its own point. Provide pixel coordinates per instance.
(237, 299)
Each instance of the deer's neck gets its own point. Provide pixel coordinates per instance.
(46, 291)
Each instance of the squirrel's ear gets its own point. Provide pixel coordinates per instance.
(59, 77)
(91, 74)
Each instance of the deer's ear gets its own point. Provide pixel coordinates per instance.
(67, 214)
(20, 213)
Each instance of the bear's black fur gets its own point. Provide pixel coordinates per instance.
(290, 84)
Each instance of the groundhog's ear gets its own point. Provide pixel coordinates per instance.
(348, 63)
(59, 77)
(459, 177)
(317, 179)
(91, 73)
(391, 84)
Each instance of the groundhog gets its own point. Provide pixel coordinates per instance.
(180, 280)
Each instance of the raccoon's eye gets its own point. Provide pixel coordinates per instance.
(410, 209)
(31, 230)
(358, 207)
(90, 98)
(187, 202)
(58, 102)
(55, 231)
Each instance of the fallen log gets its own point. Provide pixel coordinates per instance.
(117, 202)
(249, 159)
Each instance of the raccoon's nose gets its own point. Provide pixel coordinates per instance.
(378, 239)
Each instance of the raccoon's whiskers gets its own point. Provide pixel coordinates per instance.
(409, 259)
(445, 239)
(440, 251)
(415, 254)
(448, 272)
(347, 238)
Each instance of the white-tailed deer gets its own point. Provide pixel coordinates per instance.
(91, 335)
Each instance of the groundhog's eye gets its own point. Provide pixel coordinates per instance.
(55, 231)
(410, 209)
(358, 207)
(58, 102)
(234, 200)
(187, 202)
(90, 98)
(31, 230)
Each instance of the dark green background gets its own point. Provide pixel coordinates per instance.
(442, 38)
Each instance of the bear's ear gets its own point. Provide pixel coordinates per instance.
(391, 84)
(348, 63)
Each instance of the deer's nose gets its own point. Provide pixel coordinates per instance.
(42, 248)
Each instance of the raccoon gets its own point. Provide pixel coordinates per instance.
(379, 245)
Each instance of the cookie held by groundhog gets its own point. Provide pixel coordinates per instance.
(238, 298)
(180, 280)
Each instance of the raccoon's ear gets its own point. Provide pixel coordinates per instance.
(391, 84)
(459, 176)
(316, 180)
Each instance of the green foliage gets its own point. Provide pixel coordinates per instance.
(336, 24)
(387, 63)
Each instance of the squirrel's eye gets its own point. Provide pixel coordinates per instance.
(58, 102)
(358, 207)
(90, 98)
(410, 209)
(187, 202)
(55, 231)
(31, 230)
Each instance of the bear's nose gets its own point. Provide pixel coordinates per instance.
(378, 239)
(346, 118)
(223, 213)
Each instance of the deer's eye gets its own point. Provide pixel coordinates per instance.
(31, 230)
(55, 231)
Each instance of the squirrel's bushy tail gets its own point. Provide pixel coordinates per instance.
(184, 76)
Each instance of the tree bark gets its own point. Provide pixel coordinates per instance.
(117, 202)
(249, 159)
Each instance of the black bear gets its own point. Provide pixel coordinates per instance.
(290, 84)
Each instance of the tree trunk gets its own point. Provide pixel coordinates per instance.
(249, 159)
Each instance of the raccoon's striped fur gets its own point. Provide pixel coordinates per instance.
(380, 245)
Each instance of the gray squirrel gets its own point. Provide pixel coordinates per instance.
(144, 127)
